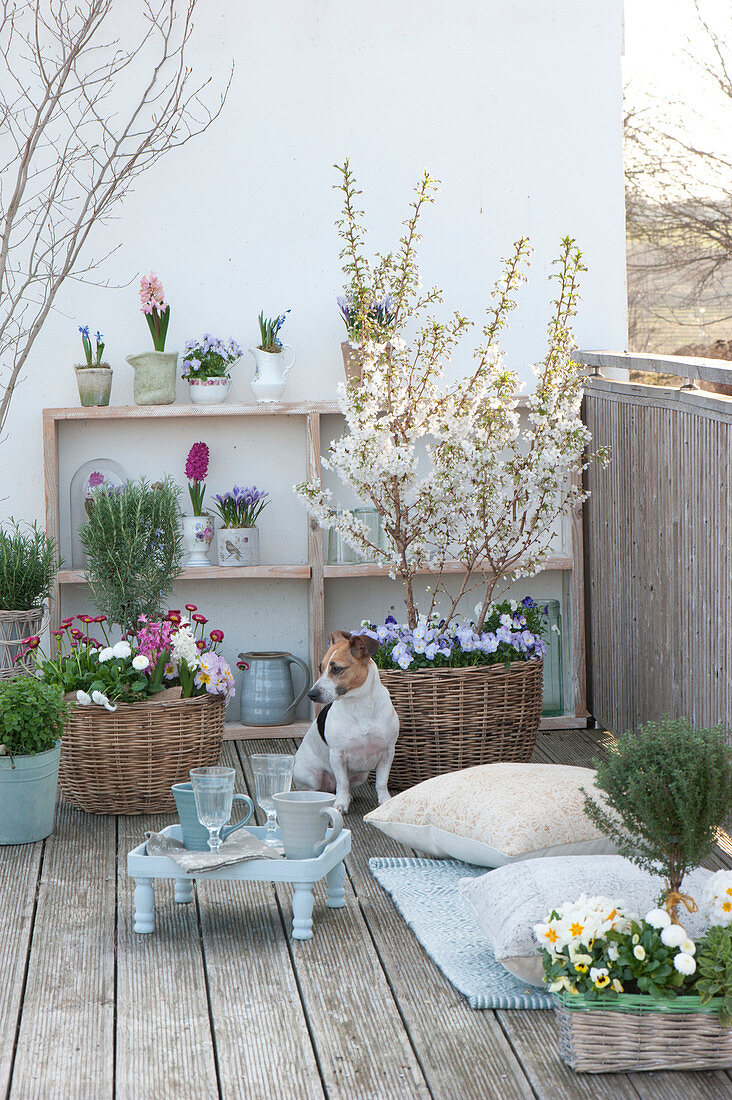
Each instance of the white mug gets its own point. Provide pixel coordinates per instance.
(303, 818)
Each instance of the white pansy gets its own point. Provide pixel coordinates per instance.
(140, 662)
(83, 698)
(674, 935)
(122, 649)
(106, 654)
(658, 918)
(612, 952)
(684, 963)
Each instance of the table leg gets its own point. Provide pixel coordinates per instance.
(183, 890)
(302, 911)
(144, 905)
(335, 895)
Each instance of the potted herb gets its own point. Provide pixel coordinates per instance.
(197, 528)
(269, 383)
(133, 546)
(206, 368)
(237, 539)
(154, 370)
(94, 377)
(28, 567)
(143, 710)
(667, 789)
(31, 723)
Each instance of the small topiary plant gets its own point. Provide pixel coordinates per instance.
(32, 716)
(668, 789)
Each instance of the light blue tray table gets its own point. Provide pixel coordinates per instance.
(303, 873)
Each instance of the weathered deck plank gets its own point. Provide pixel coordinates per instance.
(262, 1040)
(19, 870)
(164, 1042)
(363, 1050)
(66, 1036)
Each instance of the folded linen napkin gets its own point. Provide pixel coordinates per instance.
(236, 849)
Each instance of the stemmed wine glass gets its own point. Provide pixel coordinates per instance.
(272, 775)
(213, 789)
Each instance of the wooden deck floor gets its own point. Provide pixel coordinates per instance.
(219, 1002)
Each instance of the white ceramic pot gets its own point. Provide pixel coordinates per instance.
(209, 391)
(237, 545)
(197, 534)
(269, 383)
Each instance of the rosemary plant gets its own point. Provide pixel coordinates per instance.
(28, 566)
(134, 549)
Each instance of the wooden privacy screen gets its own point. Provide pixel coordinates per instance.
(658, 550)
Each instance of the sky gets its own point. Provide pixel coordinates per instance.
(656, 34)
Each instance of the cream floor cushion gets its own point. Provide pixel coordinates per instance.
(493, 814)
(510, 900)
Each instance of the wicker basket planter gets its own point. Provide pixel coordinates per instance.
(14, 626)
(125, 761)
(633, 1032)
(453, 718)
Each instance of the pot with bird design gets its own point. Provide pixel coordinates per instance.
(237, 546)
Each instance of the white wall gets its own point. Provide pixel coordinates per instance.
(514, 104)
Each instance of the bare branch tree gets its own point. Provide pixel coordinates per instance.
(72, 142)
(679, 195)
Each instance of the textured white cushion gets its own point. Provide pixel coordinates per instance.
(495, 813)
(509, 901)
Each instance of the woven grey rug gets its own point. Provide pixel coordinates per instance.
(425, 893)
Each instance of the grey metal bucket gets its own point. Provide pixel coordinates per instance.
(28, 796)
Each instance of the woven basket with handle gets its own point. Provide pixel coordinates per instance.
(125, 761)
(634, 1032)
(453, 718)
(14, 626)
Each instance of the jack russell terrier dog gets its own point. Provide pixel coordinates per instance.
(356, 731)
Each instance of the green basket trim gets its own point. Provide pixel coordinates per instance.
(637, 1003)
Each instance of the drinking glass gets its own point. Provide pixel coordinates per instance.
(272, 775)
(213, 789)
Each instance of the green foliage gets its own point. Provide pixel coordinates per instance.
(31, 715)
(667, 788)
(714, 967)
(134, 549)
(116, 678)
(28, 566)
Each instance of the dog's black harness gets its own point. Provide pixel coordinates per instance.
(321, 720)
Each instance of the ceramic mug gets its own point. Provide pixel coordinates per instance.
(303, 818)
(195, 835)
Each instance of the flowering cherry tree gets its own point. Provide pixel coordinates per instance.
(447, 467)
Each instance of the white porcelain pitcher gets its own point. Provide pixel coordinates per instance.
(269, 383)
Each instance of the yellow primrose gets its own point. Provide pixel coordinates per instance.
(576, 929)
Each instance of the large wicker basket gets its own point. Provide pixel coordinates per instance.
(125, 761)
(453, 718)
(14, 626)
(634, 1032)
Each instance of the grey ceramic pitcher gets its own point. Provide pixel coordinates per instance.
(267, 693)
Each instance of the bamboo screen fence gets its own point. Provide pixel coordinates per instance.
(658, 546)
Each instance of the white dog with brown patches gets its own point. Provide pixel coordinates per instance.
(356, 731)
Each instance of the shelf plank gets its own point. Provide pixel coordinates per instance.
(372, 569)
(171, 412)
(216, 573)
(236, 731)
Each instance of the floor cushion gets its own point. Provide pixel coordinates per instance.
(510, 900)
(492, 814)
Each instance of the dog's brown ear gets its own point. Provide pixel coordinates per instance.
(338, 636)
(363, 645)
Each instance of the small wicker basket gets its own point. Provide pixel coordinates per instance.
(634, 1032)
(453, 718)
(14, 626)
(125, 761)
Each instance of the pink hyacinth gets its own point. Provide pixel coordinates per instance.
(197, 464)
(152, 295)
(153, 638)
